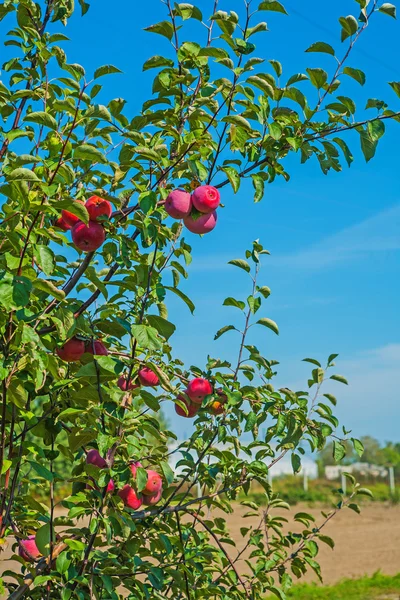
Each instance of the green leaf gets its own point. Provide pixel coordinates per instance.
(356, 74)
(327, 540)
(395, 85)
(164, 28)
(223, 330)
(22, 174)
(251, 420)
(233, 176)
(264, 290)
(365, 492)
(254, 303)
(312, 361)
(321, 47)
(146, 337)
(17, 394)
(242, 264)
(296, 463)
(76, 208)
(168, 472)
(141, 479)
(164, 327)
(6, 465)
(272, 5)
(45, 259)
(376, 129)
(339, 378)
(339, 451)
(44, 285)
(258, 184)
(345, 149)
(188, 11)
(262, 85)
(318, 77)
(157, 61)
(233, 302)
(358, 446)
(368, 146)
(42, 118)
(62, 563)
(43, 539)
(89, 152)
(42, 471)
(388, 9)
(331, 398)
(105, 70)
(182, 296)
(238, 120)
(349, 26)
(269, 323)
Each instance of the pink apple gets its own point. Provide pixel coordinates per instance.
(192, 408)
(28, 550)
(206, 198)
(153, 499)
(69, 218)
(122, 383)
(203, 224)
(61, 224)
(198, 388)
(130, 498)
(97, 348)
(147, 377)
(93, 457)
(178, 204)
(134, 467)
(72, 350)
(98, 207)
(154, 483)
(88, 237)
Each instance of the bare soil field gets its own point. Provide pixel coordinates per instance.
(365, 543)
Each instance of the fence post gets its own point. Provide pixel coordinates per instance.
(391, 480)
(305, 481)
(344, 483)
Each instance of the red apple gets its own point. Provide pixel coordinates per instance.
(147, 377)
(130, 498)
(97, 348)
(98, 207)
(206, 198)
(178, 204)
(28, 550)
(88, 237)
(203, 224)
(93, 457)
(61, 224)
(69, 218)
(154, 483)
(134, 467)
(198, 388)
(153, 499)
(122, 383)
(72, 350)
(192, 408)
(110, 486)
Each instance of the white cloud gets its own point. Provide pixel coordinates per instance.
(376, 234)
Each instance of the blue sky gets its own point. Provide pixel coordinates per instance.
(334, 240)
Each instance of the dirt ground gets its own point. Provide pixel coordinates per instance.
(365, 543)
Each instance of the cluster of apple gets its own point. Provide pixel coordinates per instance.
(149, 496)
(91, 236)
(198, 210)
(194, 396)
(75, 348)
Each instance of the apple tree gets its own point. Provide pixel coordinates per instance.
(98, 210)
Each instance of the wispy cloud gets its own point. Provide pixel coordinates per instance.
(377, 234)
